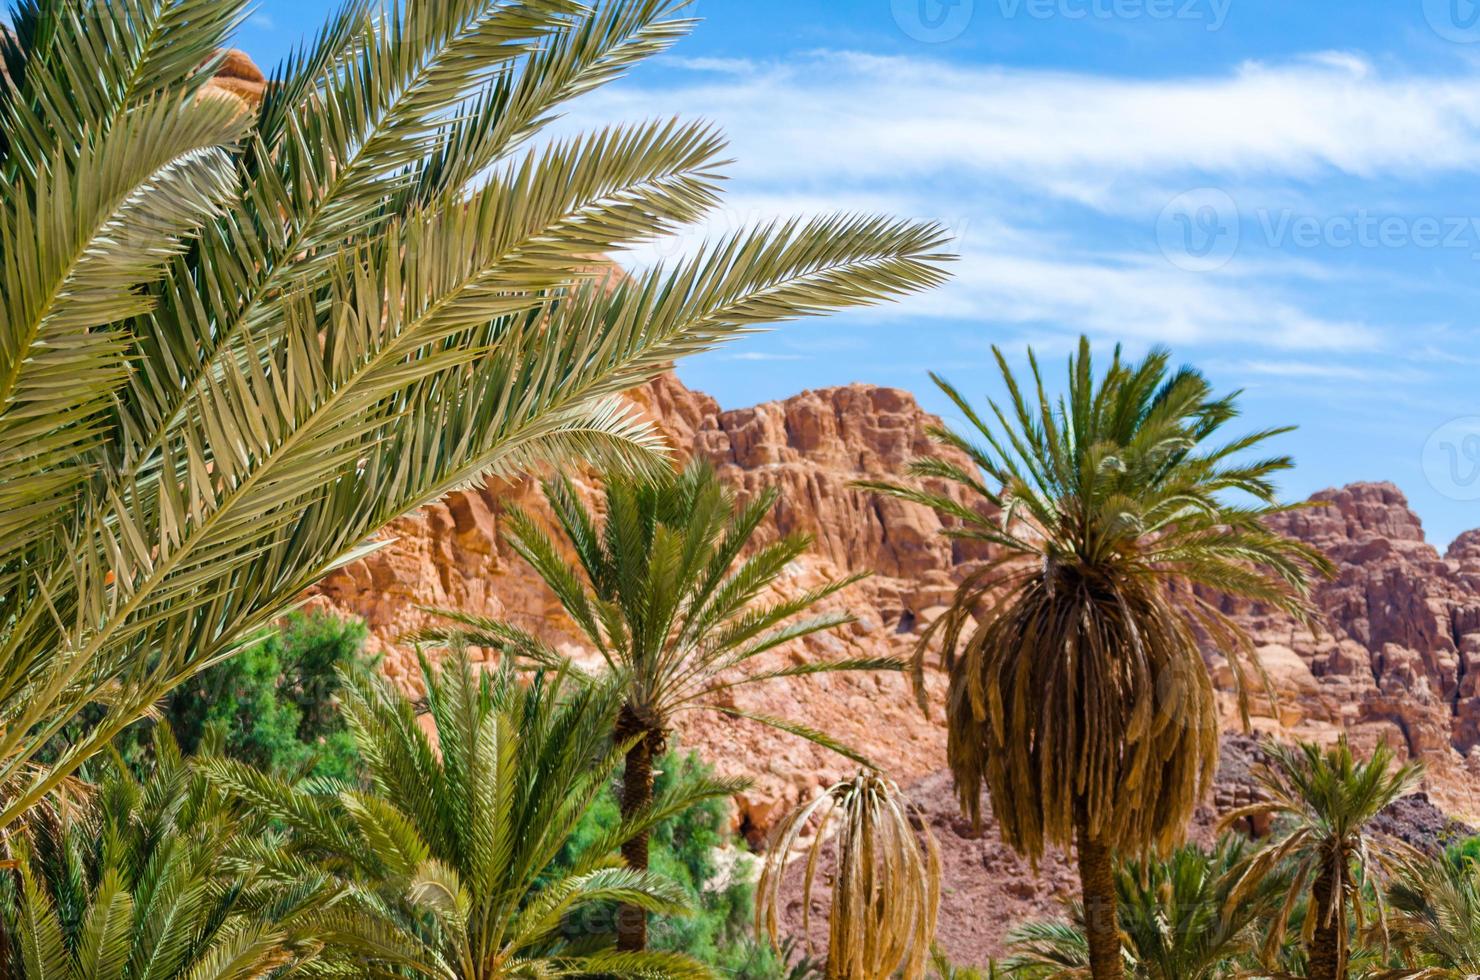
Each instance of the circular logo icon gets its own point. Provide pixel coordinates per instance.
(933, 21)
(1451, 458)
(1198, 230)
(1454, 20)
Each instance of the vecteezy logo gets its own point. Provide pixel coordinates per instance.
(1451, 458)
(1198, 230)
(933, 21)
(1454, 20)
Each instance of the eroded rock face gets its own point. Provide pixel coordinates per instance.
(1398, 658)
(811, 447)
(1399, 655)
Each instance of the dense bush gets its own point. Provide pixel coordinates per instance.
(277, 700)
(688, 850)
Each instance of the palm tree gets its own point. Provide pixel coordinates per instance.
(1327, 798)
(136, 881)
(235, 344)
(1434, 915)
(1079, 695)
(661, 592)
(885, 889)
(1175, 915)
(444, 862)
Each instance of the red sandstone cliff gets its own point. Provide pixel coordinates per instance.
(1399, 658)
(811, 446)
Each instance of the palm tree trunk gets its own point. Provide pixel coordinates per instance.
(1097, 887)
(1325, 951)
(637, 794)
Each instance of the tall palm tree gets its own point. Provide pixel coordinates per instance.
(235, 344)
(136, 881)
(1326, 799)
(1175, 914)
(444, 862)
(885, 889)
(1119, 518)
(661, 591)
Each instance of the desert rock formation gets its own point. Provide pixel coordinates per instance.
(811, 447)
(1399, 658)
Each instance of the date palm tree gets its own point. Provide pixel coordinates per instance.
(1325, 800)
(235, 344)
(1435, 915)
(885, 889)
(661, 591)
(135, 880)
(1175, 916)
(1118, 517)
(443, 863)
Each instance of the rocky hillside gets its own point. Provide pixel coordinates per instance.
(1399, 659)
(811, 446)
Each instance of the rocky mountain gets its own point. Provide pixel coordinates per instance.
(811, 446)
(1399, 656)
(1398, 659)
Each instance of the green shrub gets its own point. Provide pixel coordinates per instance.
(686, 849)
(1464, 852)
(277, 700)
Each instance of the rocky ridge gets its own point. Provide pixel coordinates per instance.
(1398, 658)
(811, 447)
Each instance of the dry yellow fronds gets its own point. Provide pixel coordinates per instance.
(885, 891)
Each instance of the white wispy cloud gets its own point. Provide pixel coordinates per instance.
(851, 115)
(1015, 161)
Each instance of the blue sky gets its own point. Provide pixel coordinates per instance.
(1285, 193)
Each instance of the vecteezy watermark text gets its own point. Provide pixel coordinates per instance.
(939, 21)
(1451, 458)
(1202, 229)
(1454, 20)
(1213, 13)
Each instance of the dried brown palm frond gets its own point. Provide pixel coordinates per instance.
(886, 890)
(1119, 516)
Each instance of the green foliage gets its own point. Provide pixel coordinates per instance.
(140, 879)
(1178, 917)
(278, 700)
(684, 849)
(443, 862)
(1463, 853)
(236, 344)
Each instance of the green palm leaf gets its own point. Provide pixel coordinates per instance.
(237, 344)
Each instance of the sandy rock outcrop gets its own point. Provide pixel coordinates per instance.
(811, 447)
(1398, 656)
(239, 77)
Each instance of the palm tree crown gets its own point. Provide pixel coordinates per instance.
(140, 879)
(1325, 799)
(1175, 915)
(1435, 915)
(443, 862)
(665, 593)
(235, 344)
(1117, 514)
